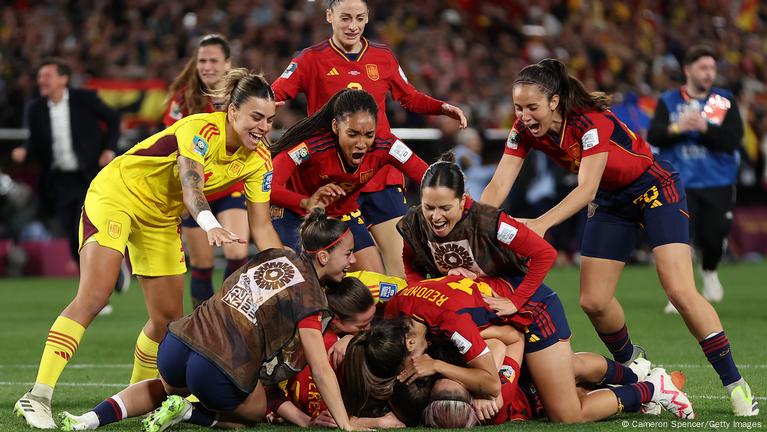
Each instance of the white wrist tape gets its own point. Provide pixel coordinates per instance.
(207, 221)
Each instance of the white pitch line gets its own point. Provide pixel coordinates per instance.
(700, 365)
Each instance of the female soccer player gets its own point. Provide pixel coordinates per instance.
(348, 60)
(258, 330)
(136, 201)
(625, 188)
(189, 94)
(324, 161)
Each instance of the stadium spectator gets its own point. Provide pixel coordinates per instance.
(698, 128)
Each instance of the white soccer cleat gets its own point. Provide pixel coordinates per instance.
(71, 422)
(743, 402)
(712, 287)
(668, 396)
(670, 309)
(651, 408)
(641, 368)
(36, 411)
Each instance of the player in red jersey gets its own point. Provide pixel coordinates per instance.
(203, 73)
(348, 60)
(326, 159)
(626, 188)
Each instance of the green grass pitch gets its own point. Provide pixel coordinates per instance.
(102, 365)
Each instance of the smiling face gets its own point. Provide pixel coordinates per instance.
(348, 19)
(441, 208)
(252, 121)
(337, 262)
(535, 110)
(356, 133)
(355, 324)
(212, 65)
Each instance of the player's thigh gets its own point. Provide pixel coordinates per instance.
(236, 221)
(197, 247)
(552, 372)
(288, 225)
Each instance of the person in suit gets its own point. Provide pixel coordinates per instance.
(73, 134)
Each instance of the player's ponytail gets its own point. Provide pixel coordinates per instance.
(445, 173)
(450, 410)
(552, 78)
(344, 103)
(241, 84)
(320, 232)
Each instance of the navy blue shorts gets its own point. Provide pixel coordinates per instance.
(549, 324)
(655, 203)
(236, 200)
(182, 367)
(384, 205)
(287, 224)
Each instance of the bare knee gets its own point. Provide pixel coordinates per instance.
(565, 417)
(593, 306)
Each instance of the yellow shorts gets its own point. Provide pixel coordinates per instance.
(154, 245)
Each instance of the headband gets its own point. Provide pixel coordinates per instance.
(333, 243)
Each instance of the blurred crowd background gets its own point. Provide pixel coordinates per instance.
(466, 52)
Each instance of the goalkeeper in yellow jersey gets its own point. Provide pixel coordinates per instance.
(136, 202)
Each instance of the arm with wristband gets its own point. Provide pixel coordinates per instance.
(190, 172)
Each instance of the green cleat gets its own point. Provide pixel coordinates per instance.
(171, 412)
(71, 422)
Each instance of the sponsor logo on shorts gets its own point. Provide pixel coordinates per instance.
(372, 71)
(114, 229)
(266, 186)
(289, 70)
(386, 290)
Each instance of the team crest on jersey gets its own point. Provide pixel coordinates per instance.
(513, 141)
(114, 229)
(260, 283)
(199, 145)
(235, 168)
(266, 185)
(372, 71)
(450, 255)
(289, 70)
(365, 176)
(299, 153)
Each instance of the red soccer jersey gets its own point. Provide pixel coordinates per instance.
(303, 391)
(515, 405)
(584, 134)
(301, 170)
(453, 305)
(322, 70)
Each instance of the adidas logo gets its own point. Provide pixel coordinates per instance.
(333, 72)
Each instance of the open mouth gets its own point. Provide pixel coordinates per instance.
(254, 139)
(535, 128)
(440, 228)
(357, 157)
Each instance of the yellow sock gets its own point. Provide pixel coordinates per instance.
(144, 359)
(63, 338)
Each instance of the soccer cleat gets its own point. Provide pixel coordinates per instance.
(651, 408)
(71, 422)
(670, 309)
(36, 411)
(641, 368)
(712, 287)
(171, 412)
(668, 396)
(743, 402)
(637, 352)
